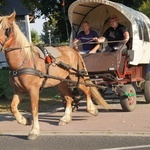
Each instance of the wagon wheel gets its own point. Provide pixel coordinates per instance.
(128, 98)
(147, 91)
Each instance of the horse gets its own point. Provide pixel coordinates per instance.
(28, 73)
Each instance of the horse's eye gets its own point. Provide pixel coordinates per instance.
(7, 32)
(0, 24)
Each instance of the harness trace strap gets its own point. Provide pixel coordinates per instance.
(40, 74)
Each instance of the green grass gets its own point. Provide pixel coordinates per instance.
(6, 90)
(48, 97)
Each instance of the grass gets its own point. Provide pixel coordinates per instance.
(48, 97)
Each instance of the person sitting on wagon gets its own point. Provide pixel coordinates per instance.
(116, 32)
(86, 36)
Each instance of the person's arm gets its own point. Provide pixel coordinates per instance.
(126, 36)
(95, 49)
(75, 45)
(97, 45)
(100, 39)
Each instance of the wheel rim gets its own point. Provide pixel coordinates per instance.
(128, 98)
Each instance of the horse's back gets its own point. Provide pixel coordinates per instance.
(68, 54)
(66, 49)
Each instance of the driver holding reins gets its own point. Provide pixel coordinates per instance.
(116, 32)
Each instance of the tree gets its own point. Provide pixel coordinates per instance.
(34, 36)
(56, 11)
(145, 8)
(135, 4)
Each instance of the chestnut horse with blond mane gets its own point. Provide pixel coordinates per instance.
(27, 72)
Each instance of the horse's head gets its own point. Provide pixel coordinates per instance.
(6, 30)
(11, 37)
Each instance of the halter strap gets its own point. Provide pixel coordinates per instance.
(6, 43)
(15, 48)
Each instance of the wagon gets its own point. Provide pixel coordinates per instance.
(123, 73)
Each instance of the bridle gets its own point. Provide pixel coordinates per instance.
(8, 41)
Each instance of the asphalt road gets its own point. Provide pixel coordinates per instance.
(75, 142)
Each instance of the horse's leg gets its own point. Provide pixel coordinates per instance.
(63, 88)
(90, 106)
(17, 97)
(34, 97)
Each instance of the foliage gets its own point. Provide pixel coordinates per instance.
(34, 36)
(49, 34)
(135, 4)
(145, 8)
(56, 12)
(5, 88)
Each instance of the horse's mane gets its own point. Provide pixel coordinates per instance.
(20, 38)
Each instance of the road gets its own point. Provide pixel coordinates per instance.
(110, 129)
(75, 142)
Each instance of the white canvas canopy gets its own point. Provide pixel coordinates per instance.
(96, 12)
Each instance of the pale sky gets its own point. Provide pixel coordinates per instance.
(38, 25)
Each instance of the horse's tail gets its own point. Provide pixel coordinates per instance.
(96, 95)
(94, 91)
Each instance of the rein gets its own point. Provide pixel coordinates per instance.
(15, 48)
(90, 42)
(40, 74)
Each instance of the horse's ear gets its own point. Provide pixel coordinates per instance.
(12, 17)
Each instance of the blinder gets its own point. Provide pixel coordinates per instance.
(7, 32)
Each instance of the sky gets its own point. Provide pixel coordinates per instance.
(38, 25)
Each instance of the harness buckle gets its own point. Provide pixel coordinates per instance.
(13, 73)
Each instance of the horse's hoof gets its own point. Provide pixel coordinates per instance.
(74, 108)
(94, 113)
(29, 122)
(32, 137)
(64, 122)
(61, 123)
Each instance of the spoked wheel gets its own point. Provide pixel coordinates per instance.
(147, 91)
(128, 98)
